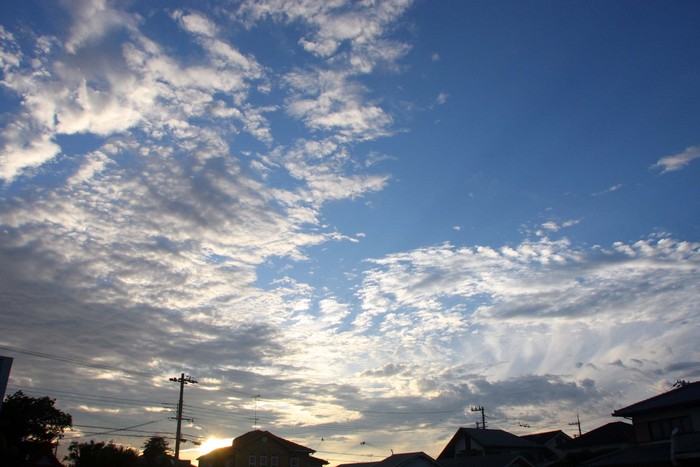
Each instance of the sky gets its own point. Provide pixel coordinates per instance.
(351, 222)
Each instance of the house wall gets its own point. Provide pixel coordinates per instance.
(460, 446)
(554, 443)
(260, 453)
(656, 425)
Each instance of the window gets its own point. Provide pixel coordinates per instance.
(251, 460)
(273, 460)
(662, 429)
(294, 462)
(263, 460)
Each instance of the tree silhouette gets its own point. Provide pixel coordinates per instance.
(101, 454)
(29, 425)
(156, 452)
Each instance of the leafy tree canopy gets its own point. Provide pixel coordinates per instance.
(92, 454)
(156, 452)
(28, 425)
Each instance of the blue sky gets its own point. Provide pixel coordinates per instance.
(374, 215)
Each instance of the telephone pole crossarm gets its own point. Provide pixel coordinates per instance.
(483, 416)
(183, 380)
(577, 423)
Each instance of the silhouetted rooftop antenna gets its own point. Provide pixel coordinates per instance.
(483, 416)
(255, 425)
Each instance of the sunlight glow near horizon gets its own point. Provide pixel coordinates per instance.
(206, 447)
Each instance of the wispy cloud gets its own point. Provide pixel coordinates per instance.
(677, 161)
(554, 226)
(610, 189)
(546, 299)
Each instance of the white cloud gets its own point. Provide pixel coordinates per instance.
(10, 53)
(24, 147)
(611, 189)
(195, 23)
(328, 101)
(678, 161)
(361, 25)
(441, 98)
(553, 226)
(94, 164)
(538, 307)
(93, 20)
(105, 90)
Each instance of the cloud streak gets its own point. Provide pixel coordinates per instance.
(678, 161)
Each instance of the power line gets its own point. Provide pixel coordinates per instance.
(77, 361)
(102, 366)
(347, 454)
(129, 428)
(131, 431)
(111, 429)
(412, 413)
(82, 396)
(189, 411)
(231, 391)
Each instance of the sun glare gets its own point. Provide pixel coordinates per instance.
(213, 443)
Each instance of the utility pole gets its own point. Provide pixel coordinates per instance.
(483, 416)
(182, 380)
(577, 423)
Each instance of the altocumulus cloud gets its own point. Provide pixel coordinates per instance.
(535, 308)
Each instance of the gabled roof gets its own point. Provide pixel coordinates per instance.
(317, 461)
(609, 434)
(495, 460)
(686, 395)
(488, 439)
(218, 453)
(545, 437)
(396, 460)
(251, 436)
(254, 435)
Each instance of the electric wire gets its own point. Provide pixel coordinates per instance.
(203, 413)
(82, 396)
(77, 361)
